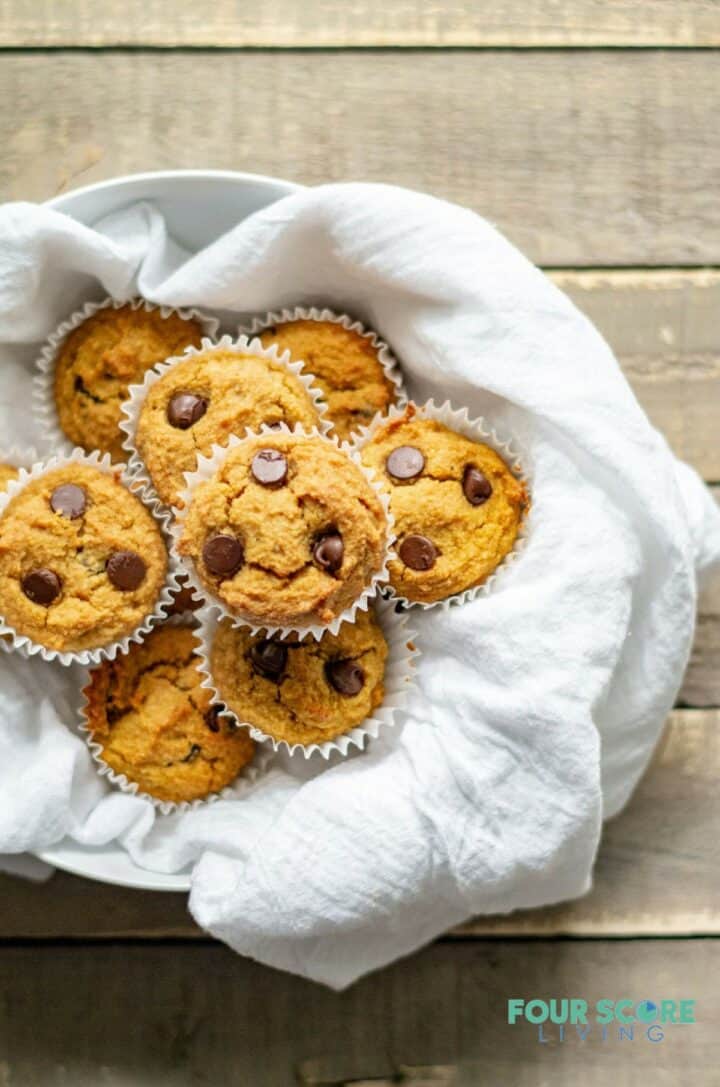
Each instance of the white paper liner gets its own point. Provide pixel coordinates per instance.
(399, 682)
(19, 457)
(386, 358)
(43, 392)
(478, 430)
(102, 462)
(247, 777)
(138, 393)
(207, 466)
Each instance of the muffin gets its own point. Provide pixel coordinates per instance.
(82, 560)
(156, 724)
(287, 532)
(457, 506)
(206, 398)
(7, 474)
(301, 691)
(346, 365)
(99, 359)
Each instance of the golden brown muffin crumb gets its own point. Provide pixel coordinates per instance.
(7, 474)
(302, 691)
(99, 360)
(346, 366)
(457, 506)
(287, 532)
(156, 724)
(82, 560)
(205, 399)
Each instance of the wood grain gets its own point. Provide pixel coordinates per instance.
(285, 23)
(657, 871)
(663, 327)
(197, 1014)
(583, 158)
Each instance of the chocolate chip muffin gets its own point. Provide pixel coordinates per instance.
(99, 359)
(457, 506)
(301, 691)
(286, 533)
(82, 560)
(346, 365)
(7, 474)
(156, 724)
(206, 398)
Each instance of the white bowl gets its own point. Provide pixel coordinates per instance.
(199, 206)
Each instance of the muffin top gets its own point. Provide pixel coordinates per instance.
(457, 506)
(82, 560)
(301, 691)
(206, 398)
(287, 532)
(156, 724)
(99, 359)
(346, 365)
(7, 474)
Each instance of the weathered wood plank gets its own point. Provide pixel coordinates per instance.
(199, 1014)
(663, 327)
(657, 870)
(583, 158)
(285, 23)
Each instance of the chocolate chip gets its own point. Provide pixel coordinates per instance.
(476, 486)
(269, 658)
(193, 753)
(42, 587)
(345, 676)
(223, 555)
(269, 467)
(405, 462)
(126, 570)
(184, 410)
(212, 717)
(328, 552)
(69, 500)
(418, 552)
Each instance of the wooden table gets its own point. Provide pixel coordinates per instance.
(588, 131)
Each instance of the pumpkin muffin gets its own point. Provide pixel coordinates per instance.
(82, 560)
(7, 474)
(286, 533)
(206, 398)
(457, 506)
(99, 359)
(346, 365)
(156, 724)
(301, 691)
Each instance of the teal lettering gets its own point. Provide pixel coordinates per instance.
(687, 1011)
(669, 1010)
(536, 1011)
(605, 1011)
(578, 1011)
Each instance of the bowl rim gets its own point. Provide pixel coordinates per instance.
(68, 855)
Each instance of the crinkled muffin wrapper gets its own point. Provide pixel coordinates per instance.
(19, 457)
(102, 463)
(399, 681)
(478, 430)
(137, 394)
(247, 777)
(44, 409)
(386, 358)
(207, 466)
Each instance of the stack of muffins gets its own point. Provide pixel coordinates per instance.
(236, 538)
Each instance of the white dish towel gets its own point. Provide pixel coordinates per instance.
(538, 707)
